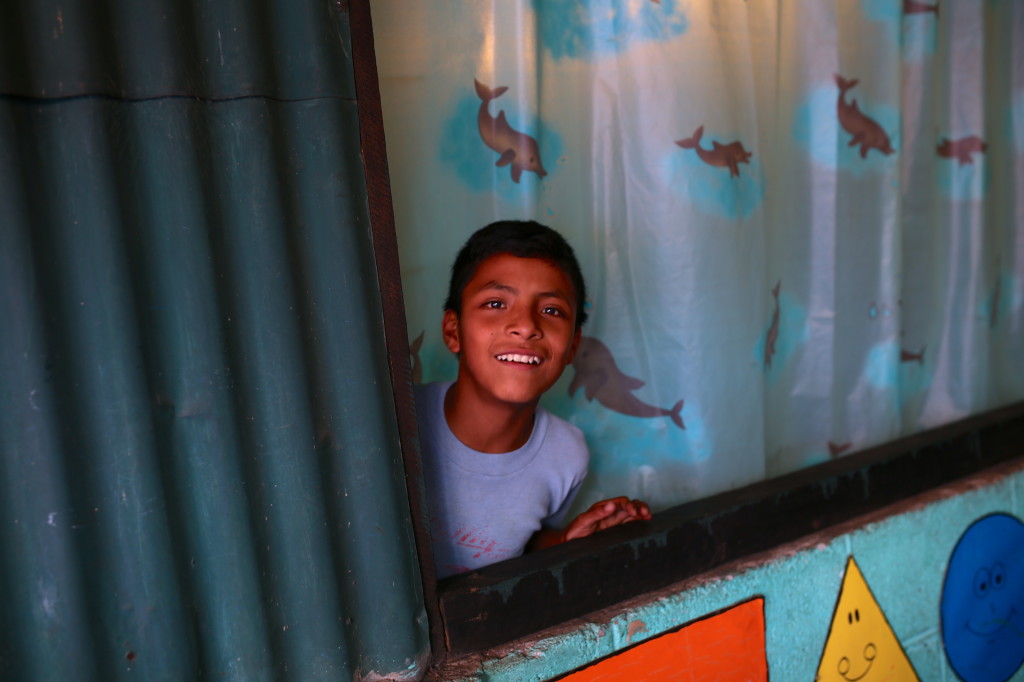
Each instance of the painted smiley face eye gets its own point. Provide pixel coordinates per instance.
(982, 582)
(998, 576)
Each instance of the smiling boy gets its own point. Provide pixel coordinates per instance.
(501, 472)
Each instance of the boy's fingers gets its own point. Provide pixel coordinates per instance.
(615, 518)
(585, 524)
(594, 516)
(610, 504)
(640, 509)
(608, 514)
(634, 508)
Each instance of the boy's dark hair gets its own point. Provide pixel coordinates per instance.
(520, 238)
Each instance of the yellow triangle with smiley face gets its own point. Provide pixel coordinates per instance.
(861, 646)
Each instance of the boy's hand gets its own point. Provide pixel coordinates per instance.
(601, 515)
(606, 514)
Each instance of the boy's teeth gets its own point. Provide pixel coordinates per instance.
(514, 357)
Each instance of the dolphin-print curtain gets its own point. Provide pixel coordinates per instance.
(801, 223)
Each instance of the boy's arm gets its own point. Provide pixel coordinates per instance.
(601, 515)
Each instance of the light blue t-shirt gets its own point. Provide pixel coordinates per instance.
(485, 507)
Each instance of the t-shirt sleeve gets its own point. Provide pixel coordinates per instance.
(557, 520)
(573, 456)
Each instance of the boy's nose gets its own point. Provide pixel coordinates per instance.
(524, 324)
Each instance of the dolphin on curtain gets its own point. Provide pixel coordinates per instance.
(517, 149)
(962, 149)
(773, 330)
(865, 130)
(836, 449)
(911, 356)
(914, 7)
(721, 155)
(601, 378)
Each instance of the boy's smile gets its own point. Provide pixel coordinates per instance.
(515, 334)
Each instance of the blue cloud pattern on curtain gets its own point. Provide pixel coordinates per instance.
(832, 146)
(913, 22)
(960, 181)
(714, 190)
(803, 218)
(516, 149)
(578, 29)
(711, 178)
(472, 158)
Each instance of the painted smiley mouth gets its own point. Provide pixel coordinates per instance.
(870, 653)
(519, 359)
(858, 677)
(999, 624)
(848, 678)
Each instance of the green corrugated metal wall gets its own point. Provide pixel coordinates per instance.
(200, 472)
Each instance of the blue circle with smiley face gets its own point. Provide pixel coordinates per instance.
(982, 606)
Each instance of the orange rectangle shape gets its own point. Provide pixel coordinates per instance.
(722, 647)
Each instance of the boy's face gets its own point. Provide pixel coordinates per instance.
(517, 329)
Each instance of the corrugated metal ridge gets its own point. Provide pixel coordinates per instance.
(200, 471)
(193, 330)
(139, 49)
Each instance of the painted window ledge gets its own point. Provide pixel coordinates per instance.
(514, 598)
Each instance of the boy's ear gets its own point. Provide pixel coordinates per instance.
(450, 330)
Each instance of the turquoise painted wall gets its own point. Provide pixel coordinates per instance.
(903, 556)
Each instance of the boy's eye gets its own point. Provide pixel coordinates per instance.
(494, 304)
(552, 310)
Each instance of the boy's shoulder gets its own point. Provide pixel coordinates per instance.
(430, 402)
(565, 441)
(433, 391)
(561, 430)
